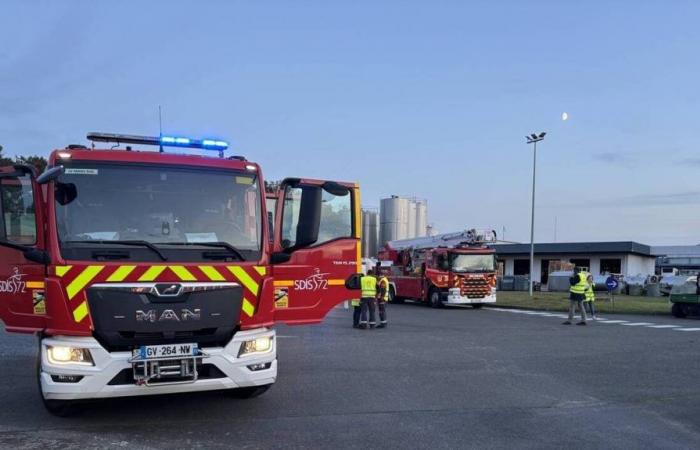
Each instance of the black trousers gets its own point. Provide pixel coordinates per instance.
(367, 308)
(356, 316)
(381, 307)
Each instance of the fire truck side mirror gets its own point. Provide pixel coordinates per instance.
(353, 281)
(50, 175)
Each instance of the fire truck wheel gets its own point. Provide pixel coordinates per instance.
(434, 298)
(392, 296)
(477, 305)
(249, 392)
(60, 408)
(678, 310)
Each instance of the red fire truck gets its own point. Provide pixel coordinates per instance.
(448, 269)
(147, 272)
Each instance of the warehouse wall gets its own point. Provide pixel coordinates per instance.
(631, 264)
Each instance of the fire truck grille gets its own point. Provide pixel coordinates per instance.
(475, 288)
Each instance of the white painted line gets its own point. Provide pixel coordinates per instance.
(665, 326)
(686, 329)
(637, 324)
(614, 321)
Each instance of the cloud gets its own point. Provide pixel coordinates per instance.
(692, 162)
(615, 157)
(641, 200)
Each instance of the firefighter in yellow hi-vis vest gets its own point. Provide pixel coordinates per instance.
(368, 284)
(577, 294)
(589, 302)
(355, 312)
(382, 299)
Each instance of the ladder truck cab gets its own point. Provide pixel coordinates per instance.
(447, 269)
(150, 272)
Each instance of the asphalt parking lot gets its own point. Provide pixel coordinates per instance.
(435, 378)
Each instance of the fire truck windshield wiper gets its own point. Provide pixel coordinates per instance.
(136, 243)
(224, 245)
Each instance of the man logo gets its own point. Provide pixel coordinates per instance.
(168, 289)
(168, 315)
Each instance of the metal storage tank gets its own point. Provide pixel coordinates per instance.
(412, 230)
(393, 218)
(370, 233)
(421, 218)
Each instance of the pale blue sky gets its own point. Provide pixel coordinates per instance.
(431, 99)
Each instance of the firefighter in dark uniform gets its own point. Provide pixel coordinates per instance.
(382, 299)
(368, 285)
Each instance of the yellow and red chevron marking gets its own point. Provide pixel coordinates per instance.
(76, 278)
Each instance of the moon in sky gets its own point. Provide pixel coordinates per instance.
(564, 116)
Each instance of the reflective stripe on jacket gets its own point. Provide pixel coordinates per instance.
(355, 302)
(368, 284)
(580, 287)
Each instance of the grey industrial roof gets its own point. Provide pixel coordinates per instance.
(581, 248)
(676, 250)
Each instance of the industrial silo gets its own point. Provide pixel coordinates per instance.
(393, 219)
(412, 230)
(370, 233)
(421, 218)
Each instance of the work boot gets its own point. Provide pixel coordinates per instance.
(381, 325)
(581, 323)
(354, 325)
(363, 326)
(568, 322)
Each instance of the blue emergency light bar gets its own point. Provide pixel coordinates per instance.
(161, 141)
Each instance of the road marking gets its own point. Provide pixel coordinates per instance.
(597, 319)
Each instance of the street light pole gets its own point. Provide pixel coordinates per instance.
(533, 139)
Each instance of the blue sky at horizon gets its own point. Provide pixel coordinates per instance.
(426, 99)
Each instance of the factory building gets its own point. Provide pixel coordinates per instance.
(402, 218)
(677, 259)
(627, 258)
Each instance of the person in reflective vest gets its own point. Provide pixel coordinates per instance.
(589, 302)
(368, 285)
(382, 299)
(355, 312)
(577, 294)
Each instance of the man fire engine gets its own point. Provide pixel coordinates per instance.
(448, 269)
(150, 273)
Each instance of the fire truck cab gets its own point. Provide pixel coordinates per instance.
(449, 269)
(147, 272)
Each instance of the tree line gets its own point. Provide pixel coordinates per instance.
(33, 160)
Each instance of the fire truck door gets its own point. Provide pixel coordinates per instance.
(22, 264)
(317, 248)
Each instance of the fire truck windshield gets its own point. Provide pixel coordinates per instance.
(471, 262)
(157, 212)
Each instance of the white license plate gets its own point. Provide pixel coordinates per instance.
(165, 351)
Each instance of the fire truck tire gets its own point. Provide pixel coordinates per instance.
(477, 305)
(392, 296)
(249, 392)
(59, 408)
(678, 310)
(434, 298)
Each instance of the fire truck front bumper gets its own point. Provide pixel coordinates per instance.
(118, 374)
(454, 297)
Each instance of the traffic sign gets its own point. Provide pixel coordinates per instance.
(611, 283)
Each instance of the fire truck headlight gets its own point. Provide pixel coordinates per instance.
(60, 354)
(256, 346)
